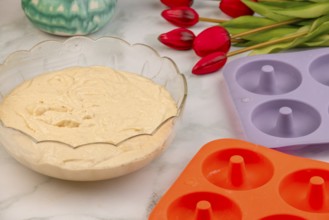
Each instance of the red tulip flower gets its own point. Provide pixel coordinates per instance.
(181, 16)
(177, 3)
(210, 63)
(234, 8)
(211, 40)
(179, 39)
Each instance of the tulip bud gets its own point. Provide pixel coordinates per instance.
(177, 3)
(210, 63)
(179, 39)
(235, 8)
(212, 39)
(181, 16)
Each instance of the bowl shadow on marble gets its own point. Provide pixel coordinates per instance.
(82, 51)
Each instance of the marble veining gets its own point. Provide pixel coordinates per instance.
(26, 195)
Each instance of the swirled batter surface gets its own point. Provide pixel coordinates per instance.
(83, 105)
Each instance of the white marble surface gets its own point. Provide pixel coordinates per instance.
(26, 195)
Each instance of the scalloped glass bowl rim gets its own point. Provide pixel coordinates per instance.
(12, 56)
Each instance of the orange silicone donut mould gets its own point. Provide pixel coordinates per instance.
(236, 180)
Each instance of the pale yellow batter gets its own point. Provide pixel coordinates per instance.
(83, 105)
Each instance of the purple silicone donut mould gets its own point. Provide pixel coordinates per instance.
(282, 100)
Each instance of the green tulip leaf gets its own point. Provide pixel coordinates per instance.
(286, 4)
(233, 31)
(319, 27)
(248, 22)
(321, 41)
(309, 11)
(270, 34)
(267, 11)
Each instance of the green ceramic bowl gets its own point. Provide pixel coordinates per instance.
(69, 17)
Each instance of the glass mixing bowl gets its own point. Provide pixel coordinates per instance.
(92, 161)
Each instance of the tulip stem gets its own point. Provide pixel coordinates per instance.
(253, 31)
(212, 20)
(268, 43)
(236, 40)
(266, 27)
